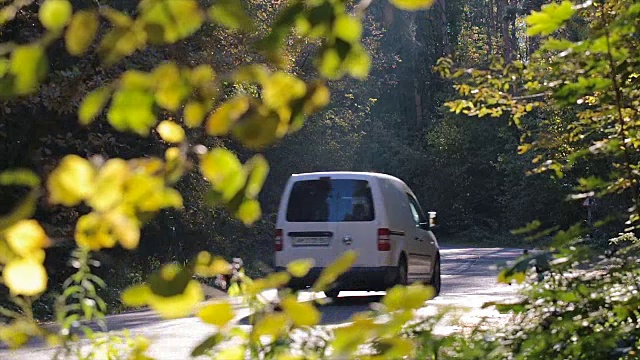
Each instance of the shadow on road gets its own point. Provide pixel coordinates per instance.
(340, 309)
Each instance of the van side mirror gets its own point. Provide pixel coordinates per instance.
(432, 220)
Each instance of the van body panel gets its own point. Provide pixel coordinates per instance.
(324, 214)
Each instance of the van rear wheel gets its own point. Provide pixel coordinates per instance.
(402, 278)
(435, 277)
(332, 294)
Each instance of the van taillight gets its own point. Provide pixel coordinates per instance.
(278, 240)
(384, 240)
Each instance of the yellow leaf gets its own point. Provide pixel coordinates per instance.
(136, 295)
(257, 176)
(271, 324)
(94, 233)
(249, 211)
(331, 273)
(300, 313)
(18, 332)
(72, 181)
(348, 28)
(257, 131)
(132, 109)
(236, 352)
(412, 5)
(221, 120)
(194, 113)
(407, 297)
(92, 105)
(170, 131)
(225, 172)
(81, 32)
(207, 267)
(126, 229)
(180, 305)
(319, 98)
(218, 314)
(170, 86)
(55, 14)
(25, 277)
(299, 268)
(26, 237)
(29, 65)
(109, 185)
(281, 88)
(358, 63)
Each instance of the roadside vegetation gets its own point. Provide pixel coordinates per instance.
(135, 138)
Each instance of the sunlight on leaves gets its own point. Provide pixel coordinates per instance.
(551, 17)
(412, 5)
(81, 32)
(218, 314)
(55, 14)
(331, 273)
(170, 131)
(16, 273)
(72, 181)
(92, 104)
(225, 172)
(407, 297)
(26, 238)
(300, 313)
(249, 211)
(29, 66)
(299, 268)
(230, 14)
(222, 119)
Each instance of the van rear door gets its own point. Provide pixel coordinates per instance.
(326, 216)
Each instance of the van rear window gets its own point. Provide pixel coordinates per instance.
(330, 200)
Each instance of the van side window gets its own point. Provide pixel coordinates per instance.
(416, 211)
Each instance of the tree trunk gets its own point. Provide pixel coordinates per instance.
(507, 46)
(441, 18)
(491, 26)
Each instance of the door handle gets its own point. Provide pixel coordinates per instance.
(419, 239)
(347, 240)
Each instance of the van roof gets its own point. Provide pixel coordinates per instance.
(347, 173)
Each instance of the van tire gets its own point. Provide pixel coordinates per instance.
(435, 277)
(402, 278)
(332, 293)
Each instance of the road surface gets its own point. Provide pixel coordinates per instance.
(468, 281)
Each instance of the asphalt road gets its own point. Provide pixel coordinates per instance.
(468, 281)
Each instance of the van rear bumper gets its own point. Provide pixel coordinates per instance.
(357, 278)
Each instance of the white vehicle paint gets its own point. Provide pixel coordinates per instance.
(324, 214)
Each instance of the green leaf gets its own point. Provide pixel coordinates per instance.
(169, 21)
(171, 88)
(257, 131)
(132, 110)
(218, 314)
(81, 32)
(551, 17)
(27, 206)
(412, 5)
(92, 104)
(55, 14)
(221, 120)
(206, 345)
(230, 14)
(358, 63)
(348, 28)
(225, 172)
(258, 169)
(300, 268)
(29, 66)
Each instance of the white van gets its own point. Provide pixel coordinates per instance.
(321, 215)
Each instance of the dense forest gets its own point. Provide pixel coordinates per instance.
(394, 121)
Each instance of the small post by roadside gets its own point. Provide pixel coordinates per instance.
(589, 203)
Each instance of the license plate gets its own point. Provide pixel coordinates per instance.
(310, 241)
